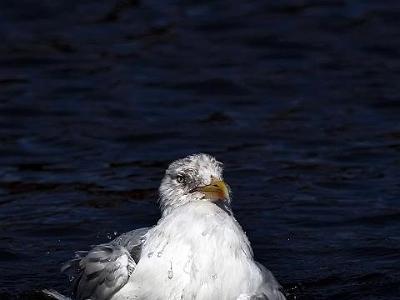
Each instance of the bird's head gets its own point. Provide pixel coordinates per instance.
(196, 177)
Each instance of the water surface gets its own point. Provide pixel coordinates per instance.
(299, 99)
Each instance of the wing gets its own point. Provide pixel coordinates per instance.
(271, 289)
(132, 241)
(101, 272)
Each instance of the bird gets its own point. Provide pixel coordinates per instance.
(197, 250)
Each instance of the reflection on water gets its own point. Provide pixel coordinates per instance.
(298, 98)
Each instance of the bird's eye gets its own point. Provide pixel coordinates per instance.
(180, 178)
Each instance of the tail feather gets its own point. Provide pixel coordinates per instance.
(56, 295)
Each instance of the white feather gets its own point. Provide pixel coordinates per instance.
(198, 251)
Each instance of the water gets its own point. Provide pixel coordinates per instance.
(299, 99)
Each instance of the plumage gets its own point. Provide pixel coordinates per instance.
(197, 250)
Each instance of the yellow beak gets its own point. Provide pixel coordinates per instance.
(216, 190)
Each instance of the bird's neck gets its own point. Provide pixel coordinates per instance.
(167, 209)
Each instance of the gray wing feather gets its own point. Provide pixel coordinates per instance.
(271, 289)
(101, 272)
(132, 241)
(54, 294)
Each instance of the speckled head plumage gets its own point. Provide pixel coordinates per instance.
(193, 178)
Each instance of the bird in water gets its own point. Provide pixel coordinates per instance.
(197, 250)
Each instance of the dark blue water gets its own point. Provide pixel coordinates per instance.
(299, 99)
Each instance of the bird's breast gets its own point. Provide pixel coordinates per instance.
(197, 248)
(201, 227)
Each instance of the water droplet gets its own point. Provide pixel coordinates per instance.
(150, 254)
(214, 276)
(204, 233)
(170, 272)
(187, 266)
(159, 253)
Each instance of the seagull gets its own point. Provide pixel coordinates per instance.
(197, 250)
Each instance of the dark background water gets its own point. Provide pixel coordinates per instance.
(299, 99)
